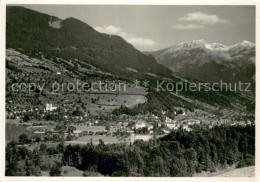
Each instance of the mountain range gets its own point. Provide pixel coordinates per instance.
(210, 62)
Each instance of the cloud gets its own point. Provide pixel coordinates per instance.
(188, 27)
(110, 29)
(202, 18)
(138, 42)
(141, 42)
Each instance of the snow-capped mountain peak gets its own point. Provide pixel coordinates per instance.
(192, 44)
(216, 46)
(244, 43)
(202, 44)
(208, 61)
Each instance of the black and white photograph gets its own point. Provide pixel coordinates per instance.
(129, 90)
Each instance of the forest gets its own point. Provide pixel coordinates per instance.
(180, 153)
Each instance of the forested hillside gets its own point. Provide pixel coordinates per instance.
(178, 154)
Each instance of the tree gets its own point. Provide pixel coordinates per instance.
(71, 129)
(56, 169)
(28, 168)
(23, 139)
(26, 118)
(11, 159)
(77, 113)
(52, 151)
(38, 139)
(60, 148)
(22, 152)
(43, 148)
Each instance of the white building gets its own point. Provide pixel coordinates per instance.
(166, 131)
(125, 124)
(186, 127)
(168, 120)
(149, 127)
(170, 125)
(50, 107)
(140, 124)
(142, 137)
(77, 133)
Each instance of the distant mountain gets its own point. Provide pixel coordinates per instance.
(35, 32)
(210, 61)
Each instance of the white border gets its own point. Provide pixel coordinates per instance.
(126, 2)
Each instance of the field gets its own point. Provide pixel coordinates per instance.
(95, 140)
(88, 128)
(13, 131)
(70, 171)
(14, 128)
(108, 102)
(240, 172)
(230, 172)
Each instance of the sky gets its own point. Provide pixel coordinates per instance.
(153, 27)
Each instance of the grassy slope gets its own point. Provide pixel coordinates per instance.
(238, 172)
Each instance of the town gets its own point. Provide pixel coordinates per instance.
(52, 124)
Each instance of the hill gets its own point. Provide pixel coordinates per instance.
(73, 39)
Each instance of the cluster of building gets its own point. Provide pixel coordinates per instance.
(14, 112)
(124, 123)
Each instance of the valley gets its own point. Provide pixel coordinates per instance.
(80, 102)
